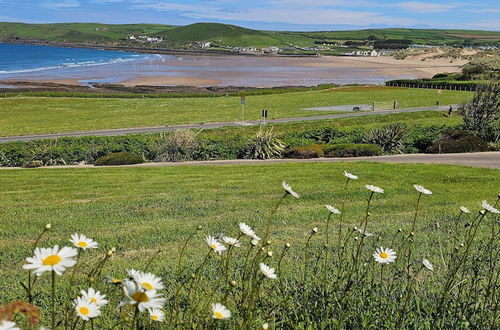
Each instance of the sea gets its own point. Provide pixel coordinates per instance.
(22, 62)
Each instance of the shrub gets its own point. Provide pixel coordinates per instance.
(265, 145)
(352, 150)
(458, 141)
(389, 137)
(306, 152)
(119, 158)
(175, 147)
(32, 164)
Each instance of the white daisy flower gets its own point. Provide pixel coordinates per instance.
(350, 176)
(289, 190)
(134, 295)
(384, 256)
(489, 208)
(374, 189)
(8, 325)
(364, 232)
(332, 209)
(220, 312)
(215, 244)
(86, 310)
(422, 190)
(113, 280)
(132, 273)
(156, 314)
(267, 271)
(94, 296)
(83, 242)
(231, 241)
(247, 230)
(51, 259)
(427, 264)
(148, 281)
(464, 209)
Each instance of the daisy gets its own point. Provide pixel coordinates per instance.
(220, 312)
(332, 209)
(231, 241)
(384, 256)
(489, 208)
(422, 190)
(94, 296)
(350, 176)
(427, 264)
(86, 310)
(464, 209)
(156, 314)
(148, 281)
(215, 244)
(247, 230)
(83, 242)
(364, 232)
(267, 271)
(289, 190)
(7, 325)
(134, 295)
(133, 273)
(113, 280)
(51, 259)
(374, 189)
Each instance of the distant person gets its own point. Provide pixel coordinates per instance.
(450, 111)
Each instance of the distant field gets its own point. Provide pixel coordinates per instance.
(37, 115)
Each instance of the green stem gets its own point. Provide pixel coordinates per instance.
(53, 300)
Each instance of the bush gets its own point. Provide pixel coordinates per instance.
(265, 145)
(306, 152)
(119, 158)
(175, 147)
(458, 141)
(389, 137)
(352, 150)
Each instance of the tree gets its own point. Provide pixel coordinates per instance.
(481, 113)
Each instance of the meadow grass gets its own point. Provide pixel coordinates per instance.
(38, 115)
(144, 210)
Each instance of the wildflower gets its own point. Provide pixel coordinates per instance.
(215, 244)
(427, 264)
(132, 273)
(94, 296)
(220, 312)
(231, 241)
(314, 230)
(148, 281)
(7, 325)
(384, 256)
(422, 190)
(48, 226)
(267, 271)
(332, 209)
(464, 209)
(156, 314)
(83, 242)
(490, 208)
(51, 259)
(350, 176)
(265, 326)
(247, 230)
(289, 190)
(134, 295)
(364, 232)
(113, 280)
(374, 189)
(86, 310)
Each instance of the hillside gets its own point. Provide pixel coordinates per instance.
(227, 35)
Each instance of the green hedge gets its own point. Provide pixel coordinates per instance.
(352, 150)
(455, 141)
(119, 158)
(428, 83)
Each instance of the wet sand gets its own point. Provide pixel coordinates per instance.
(169, 81)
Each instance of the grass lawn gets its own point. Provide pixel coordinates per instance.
(139, 210)
(38, 115)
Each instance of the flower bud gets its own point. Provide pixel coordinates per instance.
(113, 249)
(233, 283)
(193, 276)
(412, 233)
(461, 244)
(110, 253)
(269, 254)
(356, 238)
(91, 280)
(199, 227)
(400, 230)
(315, 230)
(254, 242)
(368, 214)
(288, 245)
(268, 242)
(263, 249)
(482, 212)
(354, 228)
(48, 226)
(265, 326)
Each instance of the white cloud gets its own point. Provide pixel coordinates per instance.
(61, 4)
(423, 7)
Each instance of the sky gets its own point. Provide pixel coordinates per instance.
(294, 15)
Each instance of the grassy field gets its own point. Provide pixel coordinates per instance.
(26, 115)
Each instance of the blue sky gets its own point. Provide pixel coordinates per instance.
(305, 15)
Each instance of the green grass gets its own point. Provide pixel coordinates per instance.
(37, 115)
(139, 210)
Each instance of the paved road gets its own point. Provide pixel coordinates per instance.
(123, 131)
(476, 159)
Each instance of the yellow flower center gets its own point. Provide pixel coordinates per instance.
(84, 311)
(116, 280)
(82, 244)
(218, 315)
(383, 255)
(140, 297)
(213, 246)
(147, 286)
(154, 317)
(93, 300)
(52, 260)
